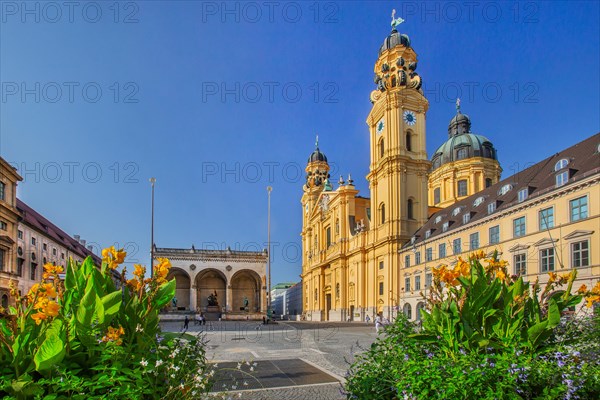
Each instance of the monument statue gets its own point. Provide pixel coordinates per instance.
(245, 302)
(212, 299)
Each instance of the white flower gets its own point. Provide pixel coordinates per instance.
(159, 363)
(245, 383)
(139, 328)
(144, 363)
(251, 368)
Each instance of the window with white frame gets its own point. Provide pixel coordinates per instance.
(456, 246)
(427, 233)
(407, 260)
(417, 257)
(418, 282)
(436, 195)
(579, 208)
(456, 211)
(2, 191)
(494, 234)
(3, 225)
(478, 201)
(546, 217)
(428, 254)
(505, 189)
(519, 227)
(547, 259)
(522, 194)
(407, 284)
(520, 263)
(442, 250)
(580, 254)
(474, 241)
(466, 218)
(380, 264)
(462, 188)
(438, 219)
(428, 280)
(562, 178)
(445, 226)
(560, 164)
(491, 207)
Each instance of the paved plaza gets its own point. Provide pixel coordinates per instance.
(293, 360)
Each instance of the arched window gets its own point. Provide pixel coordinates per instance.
(436, 195)
(381, 148)
(382, 213)
(393, 80)
(488, 182)
(462, 153)
(407, 311)
(408, 141)
(4, 301)
(409, 209)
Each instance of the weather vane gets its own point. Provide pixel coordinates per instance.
(395, 21)
(458, 104)
(317, 142)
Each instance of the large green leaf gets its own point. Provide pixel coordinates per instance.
(52, 349)
(85, 311)
(164, 294)
(112, 303)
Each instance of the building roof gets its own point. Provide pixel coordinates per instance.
(210, 254)
(579, 161)
(38, 222)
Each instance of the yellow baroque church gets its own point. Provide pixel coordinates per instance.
(364, 255)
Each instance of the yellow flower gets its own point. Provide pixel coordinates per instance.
(134, 284)
(591, 300)
(51, 309)
(596, 289)
(582, 289)
(53, 269)
(500, 275)
(140, 271)
(49, 290)
(552, 276)
(113, 257)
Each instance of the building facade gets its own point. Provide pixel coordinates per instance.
(232, 281)
(9, 218)
(363, 255)
(543, 219)
(39, 241)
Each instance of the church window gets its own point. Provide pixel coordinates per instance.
(462, 187)
(488, 182)
(381, 148)
(436, 195)
(337, 226)
(462, 153)
(409, 209)
(488, 152)
(328, 233)
(408, 141)
(382, 213)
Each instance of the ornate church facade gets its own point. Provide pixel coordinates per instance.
(223, 283)
(363, 255)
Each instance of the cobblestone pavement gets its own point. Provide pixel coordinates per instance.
(328, 346)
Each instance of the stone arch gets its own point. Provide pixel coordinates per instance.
(245, 284)
(182, 286)
(208, 282)
(4, 302)
(407, 310)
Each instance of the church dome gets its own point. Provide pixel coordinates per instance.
(462, 143)
(394, 39)
(317, 156)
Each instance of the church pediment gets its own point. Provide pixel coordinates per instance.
(579, 234)
(545, 242)
(519, 247)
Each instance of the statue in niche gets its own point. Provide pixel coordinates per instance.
(212, 299)
(246, 303)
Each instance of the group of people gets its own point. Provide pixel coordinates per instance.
(380, 321)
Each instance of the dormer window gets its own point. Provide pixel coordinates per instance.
(456, 211)
(428, 234)
(562, 178)
(478, 201)
(522, 195)
(438, 219)
(505, 189)
(491, 207)
(560, 164)
(445, 227)
(466, 218)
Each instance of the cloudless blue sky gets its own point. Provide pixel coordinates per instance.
(162, 66)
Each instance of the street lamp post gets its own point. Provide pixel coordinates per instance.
(269, 189)
(152, 182)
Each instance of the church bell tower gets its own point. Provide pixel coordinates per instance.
(399, 162)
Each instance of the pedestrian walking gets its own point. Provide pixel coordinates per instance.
(186, 323)
(368, 320)
(379, 322)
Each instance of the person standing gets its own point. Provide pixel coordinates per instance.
(378, 321)
(186, 323)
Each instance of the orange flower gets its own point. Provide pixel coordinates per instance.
(114, 335)
(161, 270)
(500, 275)
(596, 289)
(134, 284)
(553, 277)
(582, 289)
(39, 317)
(592, 299)
(140, 271)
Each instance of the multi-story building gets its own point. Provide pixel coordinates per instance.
(40, 241)
(8, 229)
(543, 219)
(362, 255)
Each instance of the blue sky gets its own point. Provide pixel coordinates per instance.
(218, 100)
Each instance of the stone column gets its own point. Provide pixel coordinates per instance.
(228, 296)
(193, 297)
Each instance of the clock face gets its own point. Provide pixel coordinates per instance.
(380, 126)
(410, 118)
